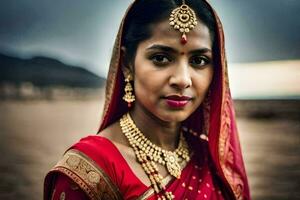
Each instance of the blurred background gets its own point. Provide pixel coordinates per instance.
(54, 57)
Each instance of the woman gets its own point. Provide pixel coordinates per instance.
(168, 129)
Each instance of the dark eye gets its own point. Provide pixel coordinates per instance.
(160, 59)
(199, 61)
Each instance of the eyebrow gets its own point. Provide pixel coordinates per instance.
(172, 50)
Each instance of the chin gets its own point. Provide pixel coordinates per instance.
(175, 116)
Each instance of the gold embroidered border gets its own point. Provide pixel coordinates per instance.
(89, 177)
(114, 67)
(224, 135)
(225, 153)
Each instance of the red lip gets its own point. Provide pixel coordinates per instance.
(178, 98)
(176, 101)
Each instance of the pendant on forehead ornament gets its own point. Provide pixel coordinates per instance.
(183, 19)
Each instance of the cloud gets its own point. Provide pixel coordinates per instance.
(83, 33)
(265, 79)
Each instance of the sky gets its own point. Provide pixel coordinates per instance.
(265, 80)
(82, 33)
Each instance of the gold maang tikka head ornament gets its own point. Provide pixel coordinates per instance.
(183, 19)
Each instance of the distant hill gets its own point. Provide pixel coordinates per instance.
(44, 72)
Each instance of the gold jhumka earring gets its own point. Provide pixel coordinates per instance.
(184, 19)
(129, 96)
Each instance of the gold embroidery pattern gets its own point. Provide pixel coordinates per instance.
(114, 67)
(91, 179)
(225, 152)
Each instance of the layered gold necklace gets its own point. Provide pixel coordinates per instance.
(148, 154)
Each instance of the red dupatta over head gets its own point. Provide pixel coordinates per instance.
(214, 117)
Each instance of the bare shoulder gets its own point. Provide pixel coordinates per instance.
(114, 133)
(116, 136)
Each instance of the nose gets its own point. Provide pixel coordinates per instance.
(181, 77)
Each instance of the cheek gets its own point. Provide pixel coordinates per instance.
(142, 86)
(202, 81)
(147, 80)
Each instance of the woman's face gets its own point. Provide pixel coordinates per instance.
(170, 79)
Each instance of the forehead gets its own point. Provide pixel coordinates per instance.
(163, 33)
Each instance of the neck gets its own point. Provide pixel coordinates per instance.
(163, 134)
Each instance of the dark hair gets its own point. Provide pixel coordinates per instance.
(145, 13)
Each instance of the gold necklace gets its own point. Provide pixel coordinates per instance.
(148, 154)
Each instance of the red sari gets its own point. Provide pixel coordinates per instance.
(95, 159)
(94, 168)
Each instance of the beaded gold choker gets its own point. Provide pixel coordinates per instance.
(148, 154)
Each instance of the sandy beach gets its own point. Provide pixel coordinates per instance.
(34, 134)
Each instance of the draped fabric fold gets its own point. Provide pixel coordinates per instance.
(211, 130)
(217, 111)
(86, 174)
